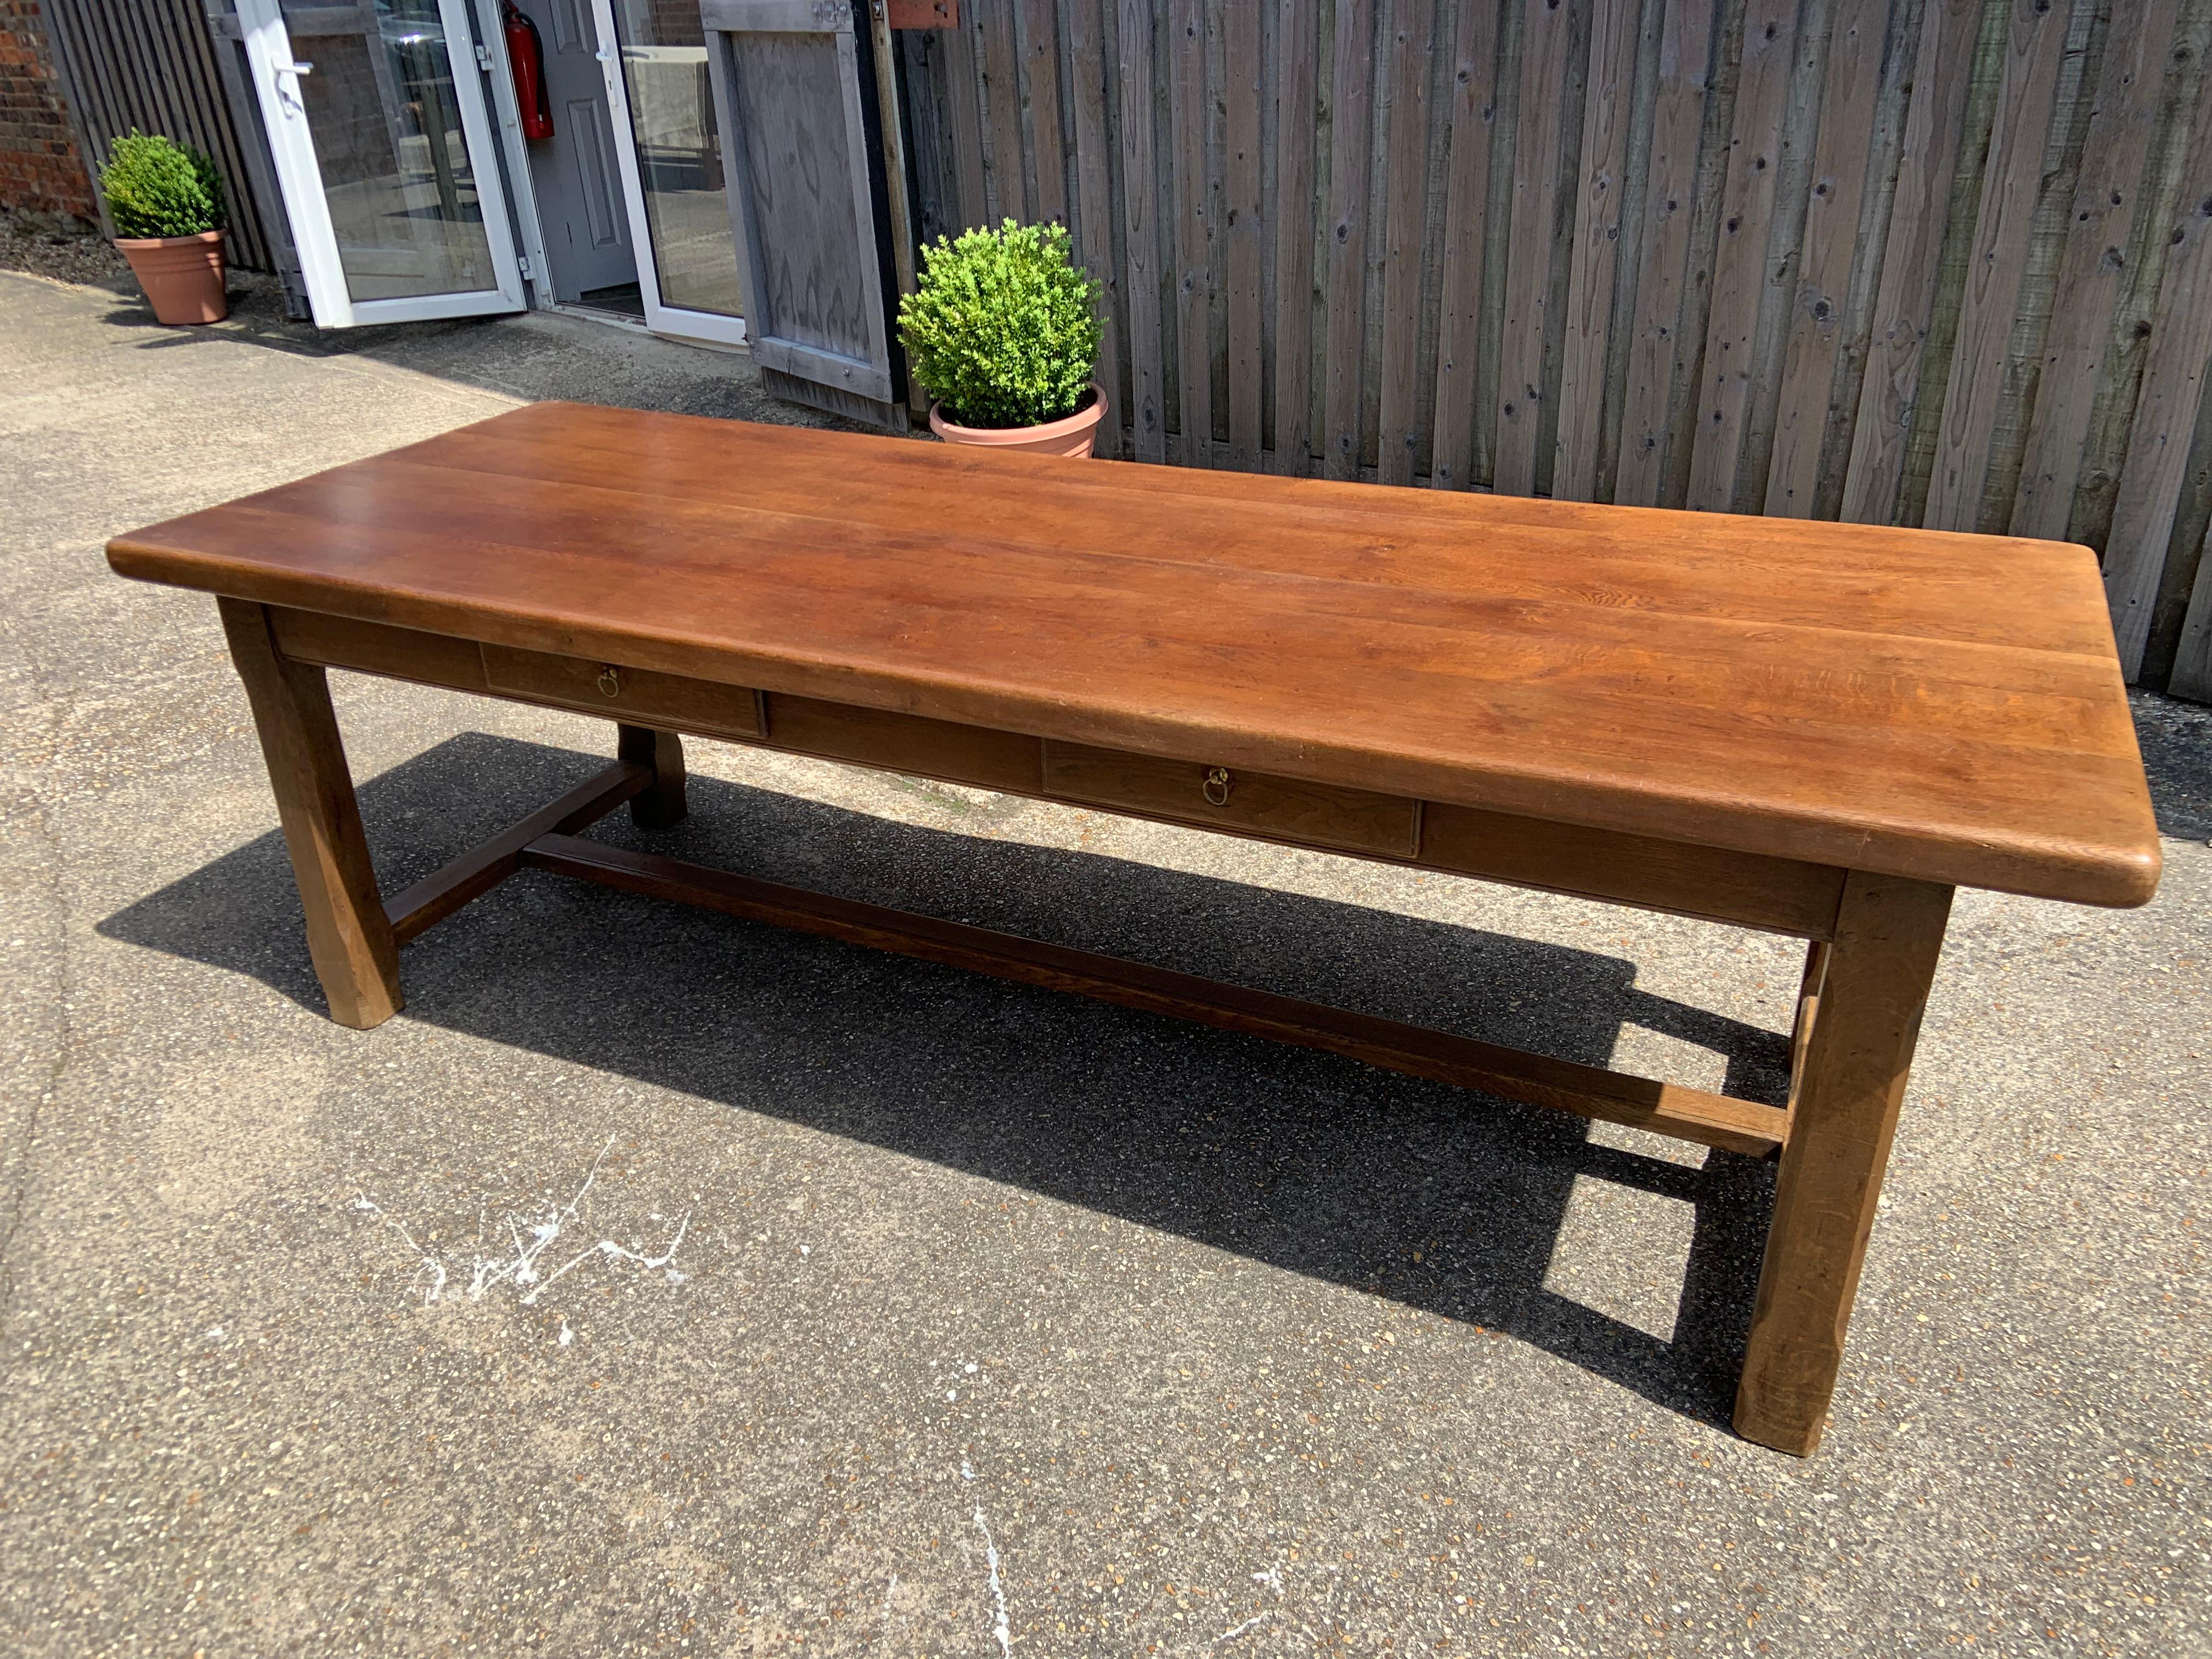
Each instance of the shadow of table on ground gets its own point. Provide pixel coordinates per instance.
(1301, 1160)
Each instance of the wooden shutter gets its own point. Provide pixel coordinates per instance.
(787, 77)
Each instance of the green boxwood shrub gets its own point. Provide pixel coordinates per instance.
(1001, 328)
(157, 188)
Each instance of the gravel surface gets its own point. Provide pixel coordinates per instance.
(82, 261)
(660, 1283)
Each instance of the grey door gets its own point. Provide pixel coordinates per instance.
(787, 76)
(580, 211)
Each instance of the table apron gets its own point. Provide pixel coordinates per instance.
(1745, 889)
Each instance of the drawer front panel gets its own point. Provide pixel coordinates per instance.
(639, 696)
(366, 647)
(903, 743)
(1254, 803)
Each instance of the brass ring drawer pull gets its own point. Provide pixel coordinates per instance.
(1218, 784)
(610, 681)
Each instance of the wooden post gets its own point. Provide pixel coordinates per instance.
(1866, 1020)
(348, 935)
(1808, 1005)
(662, 804)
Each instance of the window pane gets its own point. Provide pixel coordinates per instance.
(679, 155)
(394, 160)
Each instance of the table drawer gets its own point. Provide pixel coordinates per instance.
(636, 694)
(1254, 803)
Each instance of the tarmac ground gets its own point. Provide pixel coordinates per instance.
(657, 1283)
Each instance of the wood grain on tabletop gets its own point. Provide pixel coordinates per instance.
(1947, 707)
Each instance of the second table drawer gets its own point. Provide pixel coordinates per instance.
(1256, 803)
(637, 694)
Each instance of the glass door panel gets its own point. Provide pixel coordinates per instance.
(383, 154)
(672, 164)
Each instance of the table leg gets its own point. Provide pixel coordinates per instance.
(1870, 991)
(348, 935)
(662, 804)
(1809, 1004)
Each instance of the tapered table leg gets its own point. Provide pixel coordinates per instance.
(1867, 1000)
(348, 935)
(664, 803)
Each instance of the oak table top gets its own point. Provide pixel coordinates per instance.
(1945, 708)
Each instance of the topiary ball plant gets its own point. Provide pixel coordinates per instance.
(157, 188)
(1001, 329)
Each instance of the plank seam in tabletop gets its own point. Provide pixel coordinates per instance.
(1675, 675)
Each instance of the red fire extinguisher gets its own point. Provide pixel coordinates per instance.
(525, 55)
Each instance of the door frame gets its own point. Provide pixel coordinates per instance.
(514, 154)
(270, 64)
(678, 322)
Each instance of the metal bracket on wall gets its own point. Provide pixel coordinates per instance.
(921, 13)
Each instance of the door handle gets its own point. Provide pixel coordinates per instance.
(287, 85)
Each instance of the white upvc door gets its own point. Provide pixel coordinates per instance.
(376, 117)
(671, 152)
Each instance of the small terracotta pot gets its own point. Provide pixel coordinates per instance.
(182, 275)
(1072, 435)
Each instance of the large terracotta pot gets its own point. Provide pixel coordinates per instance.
(1073, 434)
(182, 275)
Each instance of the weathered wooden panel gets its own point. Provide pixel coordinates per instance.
(151, 64)
(1921, 260)
(2009, 187)
(1406, 123)
(2082, 317)
(1606, 109)
(1803, 418)
(1748, 206)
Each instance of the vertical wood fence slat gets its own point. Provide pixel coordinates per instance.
(1351, 114)
(1811, 256)
(1678, 119)
(1040, 103)
(1005, 189)
(2105, 199)
(1547, 32)
(921, 61)
(151, 64)
(1832, 228)
(1298, 31)
(1906, 304)
(1244, 233)
(2192, 666)
(1412, 43)
(1193, 233)
(1142, 237)
(1466, 214)
(1597, 246)
(964, 83)
(2014, 176)
(1770, 36)
(2165, 411)
(1094, 207)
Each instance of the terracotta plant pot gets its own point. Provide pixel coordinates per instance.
(1072, 435)
(182, 275)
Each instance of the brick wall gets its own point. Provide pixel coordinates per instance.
(41, 169)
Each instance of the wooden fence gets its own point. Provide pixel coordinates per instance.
(1927, 262)
(151, 64)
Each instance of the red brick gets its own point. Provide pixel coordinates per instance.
(41, 168)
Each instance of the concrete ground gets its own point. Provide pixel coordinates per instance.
(874, 1308)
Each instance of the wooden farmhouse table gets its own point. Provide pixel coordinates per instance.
(1816, 730)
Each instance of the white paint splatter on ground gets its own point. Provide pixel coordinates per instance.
(530, 1239)
(1272, 1579)
(1002, 1628)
